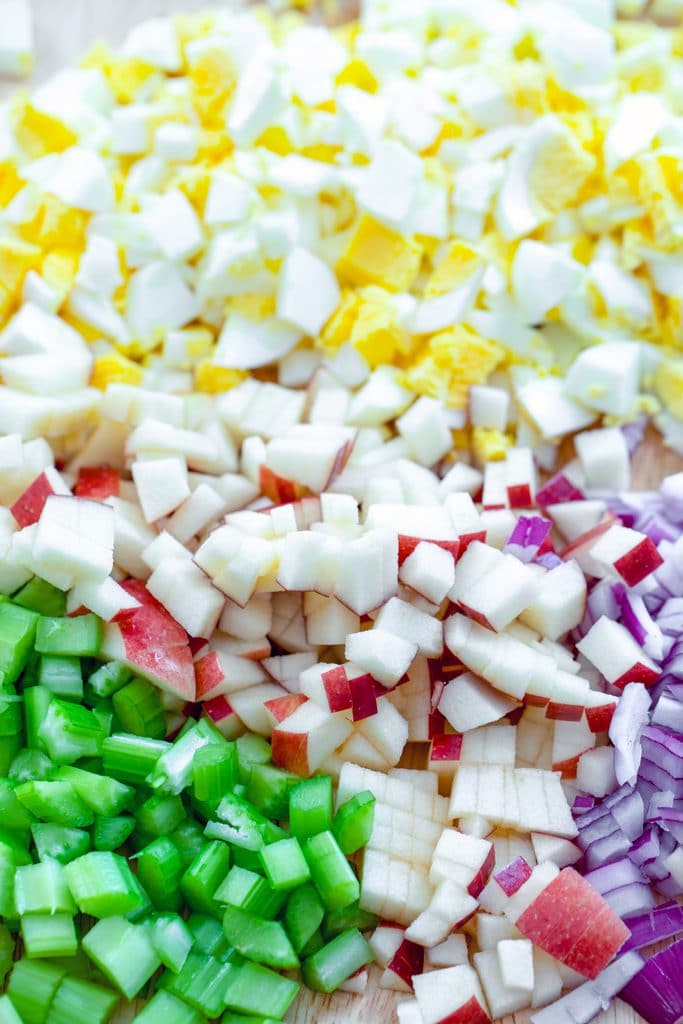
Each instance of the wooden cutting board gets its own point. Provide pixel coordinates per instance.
(64, 29)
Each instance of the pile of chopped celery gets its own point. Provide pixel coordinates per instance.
(131, 866)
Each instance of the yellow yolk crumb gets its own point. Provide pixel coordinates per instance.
(376, 254)
(212, 380)
(212, 81)
(669, 385)
(114, 369)
(16, 259)
(125, 75)
(376, 332)
(452, 361)
(559, 172)
(38, 133)
(489, 445)
(455, 268)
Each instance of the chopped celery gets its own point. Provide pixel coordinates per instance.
(139, 708)
(36, 702)
(258, 939)
(251, 750)
(310, 807)
(160, 814)
(61, 675)
(202, 982)
(247, 826)
(352, 825)
(173, 771)
(348, 917)
(284, 864)
(71, 731)
(17, 635)
(131, 758)
(204, 875)
(32, 987)
(303, 916)
(251, 892)
(109, 678)
(268, 790)
(111, 833)
(9, 748)
(46, 935)
(332, 874)
(254, 989)
(123, 952)
(42, 889)
(6, 952)
(102, 884)
(189, 839)
(81, 635)
(165, 1008)
(59, 842)
(56, 802)
(160, 869)
(329, 968)
(8, 1013)
(78, 1001)
(104, 795)
(40, 596)
(239, 1018)
(214, 772)
(29, 765)
(13, 814)
(209, 938)
(172, 940)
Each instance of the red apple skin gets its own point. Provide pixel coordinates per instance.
(558, 490)
(567, 768)
(513, 877)
(598, 719)
(281, 708)
(223, 717)
(209, 675)
(445, 668)
(471, 1012)
(98, 483)
(535, 700)
(339, 464)
(482, 876)
(337, 689)
(476, 616)
(290, 751)
(277, 488)
(520, 496)
(638, 673)
(563, 712)
(28, 507)
(363, 697)
(446, 747)
(468, 538)
(639, 562)
(407, 961)
(154, 644)
(407, 544)
(588, 538)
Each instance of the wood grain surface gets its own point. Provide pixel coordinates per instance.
(64, 29)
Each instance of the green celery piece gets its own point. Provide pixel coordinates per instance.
(257, 939)
(8, 1013)
(139, 708)
(352, 825)
(6, 952)
(268, 790)
(13, 814)
(209, 938)
(103, 885)
(251, 750)
(11, 718)
(59, 842)
(303, 916)
(46, 935)
(251, 892)
(131, 758)
(172, 939)
(310, 807)
(32, 987)
(257, 990)
(81, 635)
(348, 917)
(9, 748)
(56, 802)
(104, 795)
(29, 765)
(8, 868)
(173, 771)
(189, 839)
(201, 879)
(214, 773)
(123, 952)
(17, 636)
(239, 1018)
(284, 864)
(111, 833)
(329, 968)
(108, 678)
(160, 869)
(331, 872)
(42, 889)
(71, 731)
(16, 843)
(160, 814)
(36, 702)
(79, 1001)
(202, 982)
(40, 596)
(247, 827)
(315, 943)
(61, 675)
(165, 1008)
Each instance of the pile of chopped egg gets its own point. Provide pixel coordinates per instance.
(442, 194)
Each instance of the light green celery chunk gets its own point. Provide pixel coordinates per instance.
(79, 1001)
(8, 1013)
(123, 952)
(46, 935)
(42, 889)
(102, 884)
(165, 1008)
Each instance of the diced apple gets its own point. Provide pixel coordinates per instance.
(464, 519)
(464, 859)
(407, 961)
(105, 599)
(219, 674)
(501, 998)
(449, 953)
(492, 929)
(387, 730)
(501, 594)
(604, 458)
(512, 878)
(629, 553)
(310, 561)
(223, 717)
(188, 595)
(384, 655)
(450, 907)
(410, 624)
(385, 942)
(368, 571)
(311, 454)
(612, 649)
(302, 742)
(468, 702)
(161, 486)
(74, 536)
(560, 851)
(328, 621)
(451, 996)
(429, 570)
(287, 668)
(28, 507)
(520, 478)
(559, 603)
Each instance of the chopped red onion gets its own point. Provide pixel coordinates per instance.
(527, 537)
(656, 992)
(662, 922)
(628, 722)
(584, 1003)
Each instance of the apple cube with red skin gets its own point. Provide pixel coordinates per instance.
(513, 877)
(444, 753)
(452, 995)
(407, 961)
(600, 708)
(337, 689)
(280, 708)
(223, 717)
(218, 674)
(463, 859)
(363, 690)
(277, 488)
(28, 507)
(152, 644)
(617, 655)
(573, 923)
(98, 483)
(301, 742)
(407, 544)
(558, 490)
(630, 553)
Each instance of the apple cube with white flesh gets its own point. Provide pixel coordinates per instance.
(239, 575)
(547, 979)
(224, 718)
(464, 519)
(568, 919)
(495, 490)
(132, 535)
(472, 566)
(520, 478)
(490, 744)
(328, 685)
(392, 888)
(451, 996)
(499, 596)
(612, 649)
(629, 553)
(449, 953)
(604, 458)
(492, 929)
(360, 751)
(570, 741)
(289, 626)
(541, 876)
(468, 702)
(560, 851)
(384, 655)
(249, 705)
(251, 622)
(28, 506)
(462, 859)
(575, 518)
(311, 454)
(219, 674)
(357, 984)
(387, 730)
(385, 941)
(407, 961)
(328, 621)
(501, 998)
(595, 773)
(286, 669)
(309, 561)
(522, 798)
(461, 478)
(559, 603)
(412, 625)
(368, 572)
(152, 644)
(429, 571)
(105, 599)
(505, 662)
(424, 427)
(161, 486)
(187, 595)
(302, 742)
(200, 510)
(516, 962)
(280, 708)
(450, 906)
(74, 536)
(418, 778)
